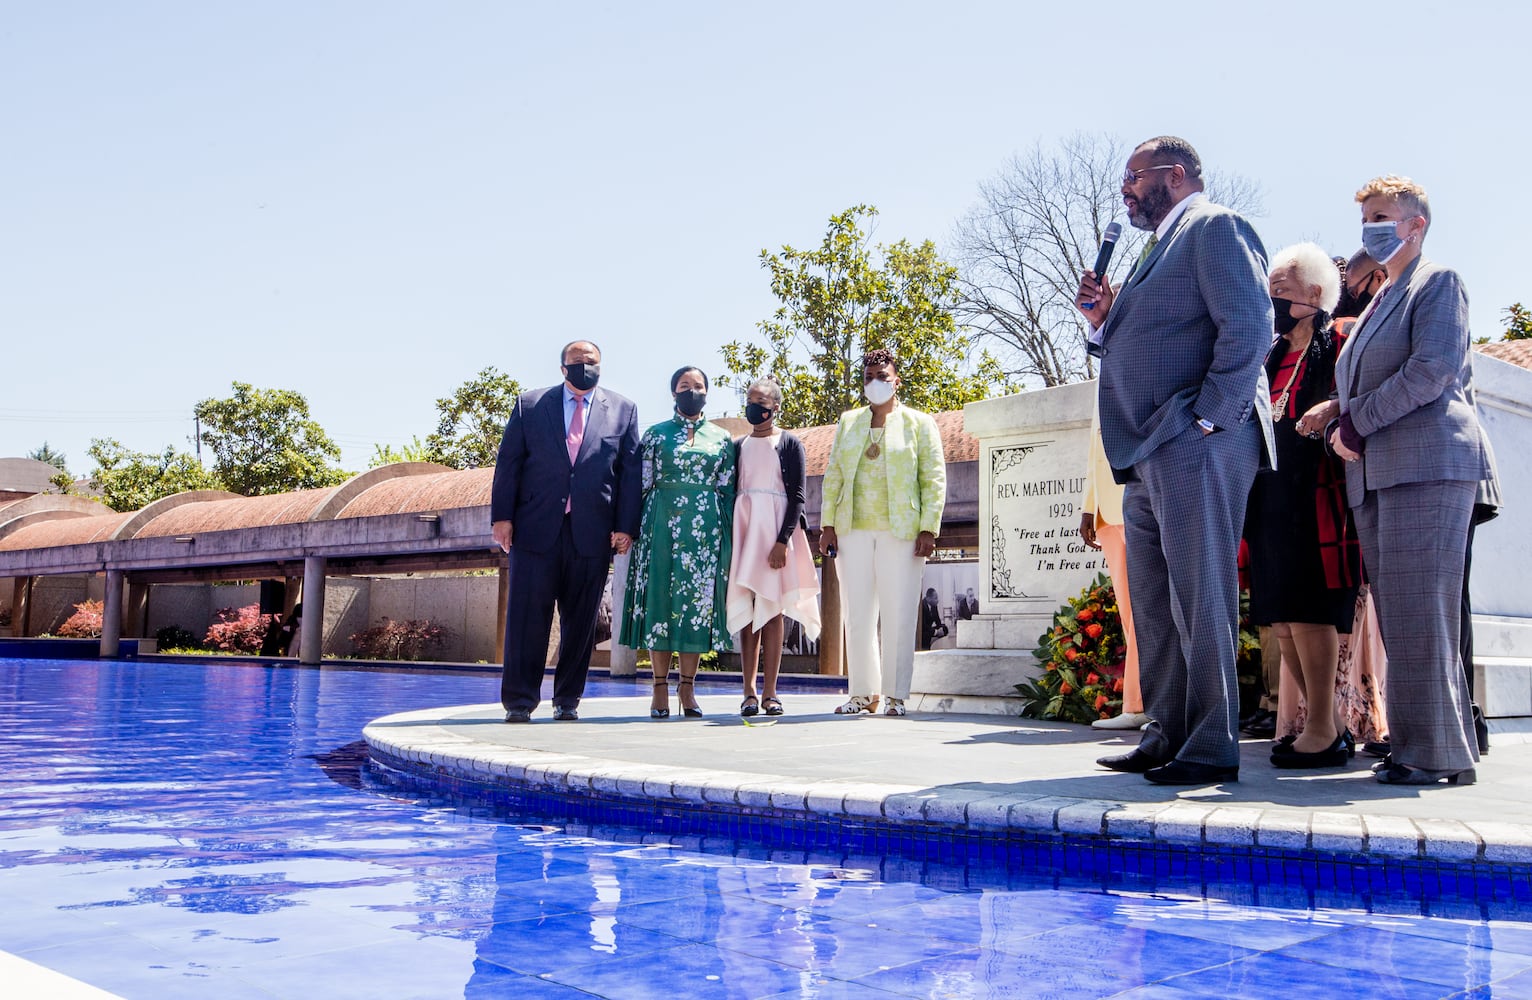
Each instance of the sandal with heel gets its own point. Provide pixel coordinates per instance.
(661, 713)
(690, 713)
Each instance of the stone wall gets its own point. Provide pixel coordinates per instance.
(465, 605)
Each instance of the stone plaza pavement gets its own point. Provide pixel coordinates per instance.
(974, 772)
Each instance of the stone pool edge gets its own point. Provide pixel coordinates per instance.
(949, 809)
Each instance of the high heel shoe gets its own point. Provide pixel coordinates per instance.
(690, 713)
(1400, 774)
(1332, 756)
(662, 713)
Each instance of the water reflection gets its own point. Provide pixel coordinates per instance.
(173, 831)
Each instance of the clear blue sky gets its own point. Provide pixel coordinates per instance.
(370, 201)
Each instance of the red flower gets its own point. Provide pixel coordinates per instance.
(1093, 630)
(1051, 667)
(1085, 614)
(1101, 701)
(1117, 685)
(1093, 678)
(1065, 688)
(1070, 654)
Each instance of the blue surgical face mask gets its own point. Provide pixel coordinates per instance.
(1381, 240)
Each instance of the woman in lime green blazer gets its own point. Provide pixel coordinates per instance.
(884, 490)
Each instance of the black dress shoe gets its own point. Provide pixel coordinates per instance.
(565, 714)
(1376, 748)
(518, 715)
(1399, 774)
(1181, 772)
(1262, 727)
(1135, 761)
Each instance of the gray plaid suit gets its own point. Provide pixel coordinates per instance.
(1405, 381)
(1187, 338)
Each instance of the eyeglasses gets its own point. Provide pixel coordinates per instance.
(1131, 176)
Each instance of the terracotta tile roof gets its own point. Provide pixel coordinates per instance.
(64, 531)
(958, 445)
(1516, 352)
(241, 512)
(411, 494)
(431, 491)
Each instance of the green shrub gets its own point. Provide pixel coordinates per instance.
(174, 637)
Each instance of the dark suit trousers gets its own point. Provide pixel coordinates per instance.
(1183, 516)
(539, 581)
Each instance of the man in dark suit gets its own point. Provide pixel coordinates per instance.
(1185, 413)
(566, 494)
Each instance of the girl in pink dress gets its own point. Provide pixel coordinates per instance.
(773, 569)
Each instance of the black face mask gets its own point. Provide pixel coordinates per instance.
(583, 376)
(758, 413)
(689, 402)
(1354, 303)
(1286, 321)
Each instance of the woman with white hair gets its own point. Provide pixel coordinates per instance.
(773, 569)
(1305, 564)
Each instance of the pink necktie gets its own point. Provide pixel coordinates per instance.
(574, 437)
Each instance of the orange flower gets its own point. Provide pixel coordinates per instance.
(1065, 688)
(1070, 654)
(1101, 701)
(1093, 678)
(1051, 667)
(1093, 630)
(1117, 685)
(1085, 614)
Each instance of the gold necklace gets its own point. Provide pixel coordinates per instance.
(1279, 408)
(874, 436)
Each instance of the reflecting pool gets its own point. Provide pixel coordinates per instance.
(172, 830)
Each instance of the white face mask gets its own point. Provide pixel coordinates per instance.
(878, 392)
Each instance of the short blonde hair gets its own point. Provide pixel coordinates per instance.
(1312, 266)
(1405, 193)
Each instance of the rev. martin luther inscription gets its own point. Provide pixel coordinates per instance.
(1036, 558)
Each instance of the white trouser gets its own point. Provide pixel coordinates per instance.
(880, 604)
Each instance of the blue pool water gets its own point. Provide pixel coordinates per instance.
(215, 831)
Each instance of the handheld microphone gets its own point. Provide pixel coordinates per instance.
(1104, 256)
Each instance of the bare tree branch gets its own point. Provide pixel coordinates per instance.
(1036, 228)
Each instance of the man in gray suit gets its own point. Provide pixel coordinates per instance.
(1185, 420)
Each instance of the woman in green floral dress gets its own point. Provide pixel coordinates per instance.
(679, 573)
